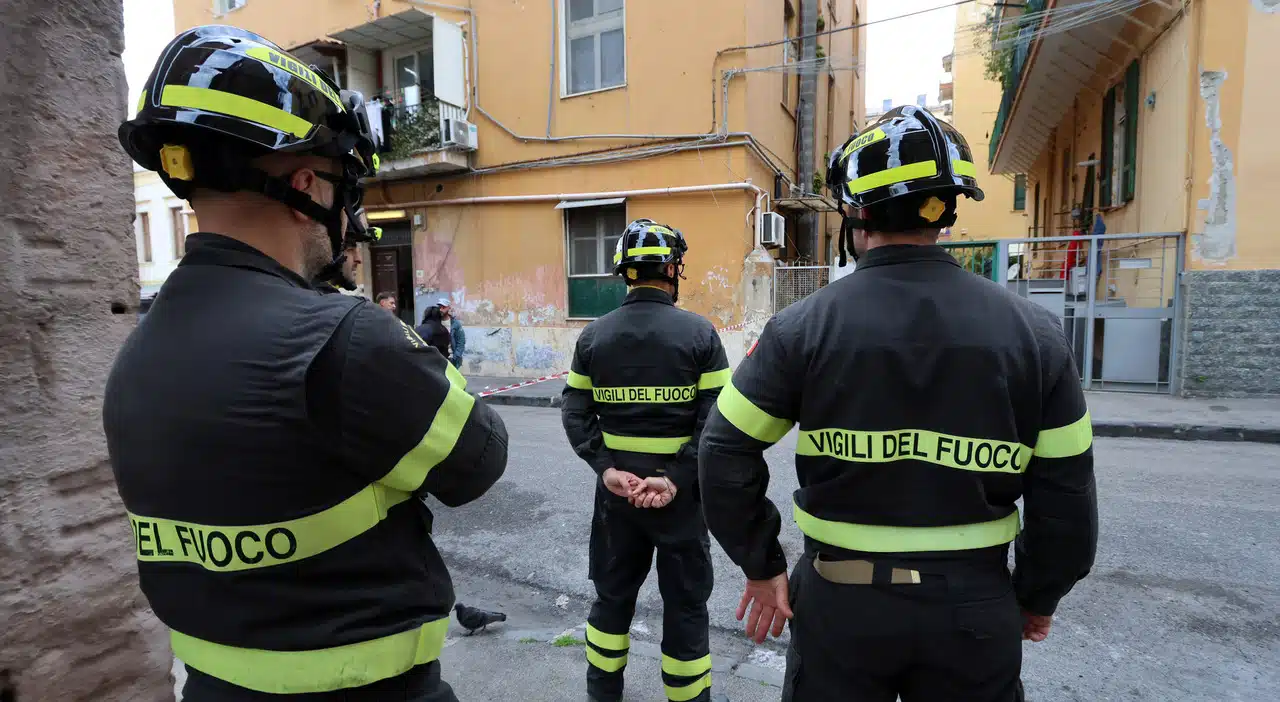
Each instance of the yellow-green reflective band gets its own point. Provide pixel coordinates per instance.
(321, 670)
(963, 452)
(236, 106)
(867, 139)
(749, 419)
(436, 444)
(456, 379)
(683, 693)
(715, 379)
(142, 100)
(606, 663)
(609, 642)
(656, 395)
(964, 168)
(1064, 442)
(685, 669)
(644, 251)
(901, 174)
(890, 539)
(577, 381)
(279, 59)
(646, 444)
(659, 229)
(233, 548)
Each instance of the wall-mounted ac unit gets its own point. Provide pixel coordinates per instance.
(460, 134)
(775, 230)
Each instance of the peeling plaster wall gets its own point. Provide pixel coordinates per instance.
(1217, 243)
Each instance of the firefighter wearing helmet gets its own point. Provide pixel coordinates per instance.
(928, 401)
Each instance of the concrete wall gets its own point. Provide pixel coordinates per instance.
(1231, 333)
(75, 625)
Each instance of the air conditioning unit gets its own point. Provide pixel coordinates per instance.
(775, 230)
(460, 134)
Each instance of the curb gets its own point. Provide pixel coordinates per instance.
(521, 400)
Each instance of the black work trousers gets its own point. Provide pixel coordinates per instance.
(419, 684)
(623, 541)
(955, 636)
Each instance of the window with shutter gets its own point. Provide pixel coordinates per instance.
(1020, 192)
(1130, 132)
(1108, 146)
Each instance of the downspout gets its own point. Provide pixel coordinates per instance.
(804, 122)
(551, 79)
(1189, 163)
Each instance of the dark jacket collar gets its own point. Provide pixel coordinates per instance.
(208, 249)
(644, 293)
(904, 253)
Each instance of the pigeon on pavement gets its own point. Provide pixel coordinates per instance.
(472, 618)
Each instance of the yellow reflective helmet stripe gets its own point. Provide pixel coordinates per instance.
(901, 174)
(284, 61)
(893, 539)
(1064, 442)
(962, 452)
(749, 419)
(235, 548)
(435, 446)
(609, 642)
(644, 251)
(646, 444)
(646, 395)
(578, 381)
(659, 229)
(683, 693)
(961, 167)
(867, 139)
(235, 106)
(608, 664)
(321, 670)
(142, 100)
(715, 379)
(685, 669)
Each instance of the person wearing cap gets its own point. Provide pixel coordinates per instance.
(642, 380)
(276, 503)
(457, 337)
(928, 401)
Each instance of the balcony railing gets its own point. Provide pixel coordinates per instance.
(1020, 51)
(410, 129)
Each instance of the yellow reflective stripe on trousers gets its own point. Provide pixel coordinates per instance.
(683, 693)
(715, 379)
(436, 444)
(651, 395)
(963, 452)
(646, 444)
(321, 670)
(1064, 442)
(890, 539)
(236, 106)
(609, 642)
(606, 663)
(578, 381)
(901, 174)
(233, 548)
(686, 669)
(961, 167)
(749, 419)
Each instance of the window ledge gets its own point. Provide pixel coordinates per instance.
(566, 96)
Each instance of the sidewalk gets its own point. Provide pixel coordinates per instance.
(1114, 413)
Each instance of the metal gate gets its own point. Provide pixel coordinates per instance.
(1117, 295)
(792, 284)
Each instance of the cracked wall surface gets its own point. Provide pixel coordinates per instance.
(1217, 243)
(75, 625)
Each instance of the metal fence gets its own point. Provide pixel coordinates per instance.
(792, 284)
(974, 256)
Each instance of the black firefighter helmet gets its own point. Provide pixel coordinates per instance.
(645, 248)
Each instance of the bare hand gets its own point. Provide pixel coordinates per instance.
(621, 483)
(1035, 627)
(654, 493)
(771, 610)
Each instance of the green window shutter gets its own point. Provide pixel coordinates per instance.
(1020, 192)
(1108, 144)
(595, 297)
(1130, 131)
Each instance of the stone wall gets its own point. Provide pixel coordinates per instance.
(73, 624)
(1231, 333)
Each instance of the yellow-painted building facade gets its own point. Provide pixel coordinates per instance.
(521, 137)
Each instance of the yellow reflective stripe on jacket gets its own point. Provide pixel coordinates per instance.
(1064, 442)
(646, 444)
(321, 670)
(577, 381)
(715, 379)
(963, 452)
(608, 664)
(749, 419)
(609, 642)
(436, 444)
(683, 693)
(455, 376)
(901, 174)
(233, 548)
(686, 669)
(961, 167)
(236, 106)
(662, 395)
(892, 539)
(644, 251)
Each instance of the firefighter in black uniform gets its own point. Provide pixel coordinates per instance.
(643, 380)
(341, 273)
(270, 443)
(928, 401)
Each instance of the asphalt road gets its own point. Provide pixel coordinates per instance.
(1183, 604)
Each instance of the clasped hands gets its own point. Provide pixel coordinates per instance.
(646, 493)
